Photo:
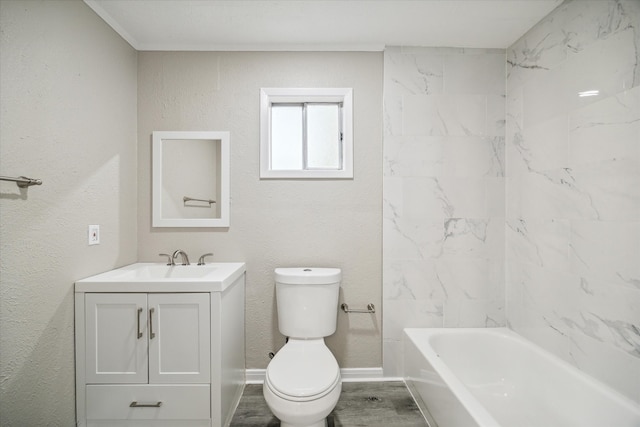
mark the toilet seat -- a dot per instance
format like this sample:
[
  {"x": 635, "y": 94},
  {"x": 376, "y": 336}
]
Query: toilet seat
[{"x": 303, "y": 370}]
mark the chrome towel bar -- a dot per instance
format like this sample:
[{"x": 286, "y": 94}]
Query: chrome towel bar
[
  {"x": 186, "y": 199},
  {"x": 370, "y": 309},
  {"x": 22, "y": 181}
]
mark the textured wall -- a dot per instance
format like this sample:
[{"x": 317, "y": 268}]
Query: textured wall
[
  {"x": 443, "y": 191},
  {"x": 573, "y": 188},
  {"x": 68, "y": 110},
  {"x": 274, "y": 223}
]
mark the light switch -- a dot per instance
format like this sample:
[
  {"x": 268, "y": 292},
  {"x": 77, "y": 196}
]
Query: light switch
[{"x": 94, "y": 235}]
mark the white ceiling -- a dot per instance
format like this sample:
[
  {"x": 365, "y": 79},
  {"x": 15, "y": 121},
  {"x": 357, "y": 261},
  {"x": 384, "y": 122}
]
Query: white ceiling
[{"x": 366, "y": 25}]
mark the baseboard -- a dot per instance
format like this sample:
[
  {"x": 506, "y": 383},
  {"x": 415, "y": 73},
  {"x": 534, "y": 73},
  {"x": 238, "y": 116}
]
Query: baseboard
[
  {"x": 256, "y": 376},
  {"x": 362, "y": 375}
]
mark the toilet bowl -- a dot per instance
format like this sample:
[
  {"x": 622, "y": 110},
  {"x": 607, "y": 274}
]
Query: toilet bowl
[{"x": 302, "y": 382}]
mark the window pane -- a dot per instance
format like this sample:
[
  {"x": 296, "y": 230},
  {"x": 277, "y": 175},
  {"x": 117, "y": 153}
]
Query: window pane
[
  {"x": 323, "y": 136},
  {"x": 286, "y": 137}
]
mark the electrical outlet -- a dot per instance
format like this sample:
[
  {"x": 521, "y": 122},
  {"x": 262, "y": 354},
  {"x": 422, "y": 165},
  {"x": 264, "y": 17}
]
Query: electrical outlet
[{"x": 94, "y": 235}]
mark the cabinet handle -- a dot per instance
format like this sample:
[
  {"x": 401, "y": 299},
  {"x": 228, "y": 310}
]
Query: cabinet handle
[
  {"x": 145, "y": 405},
  {"x": 152, "y": 334},
  {"x": 139, "y": 333}
]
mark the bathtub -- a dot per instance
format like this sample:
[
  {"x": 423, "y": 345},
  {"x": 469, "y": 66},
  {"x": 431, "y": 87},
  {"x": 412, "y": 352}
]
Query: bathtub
[{"x": 495, "y": 378}]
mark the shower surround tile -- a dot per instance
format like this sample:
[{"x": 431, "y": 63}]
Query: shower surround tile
[
  {"x": 573, "y": 188},
  {"x": 606, "y": 130},
  {"x": 444, "y": 167},
  {"x": 421, "y": 156},
  {"x": 606, "y": 251},
  {"x": 439, "y": 115},
  {"x": 475, "y": 71},
  {"x": 412, "y": 74},
  {"x": 526, "y": 213}
]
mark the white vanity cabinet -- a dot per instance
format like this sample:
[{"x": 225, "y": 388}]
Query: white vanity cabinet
[
  {"x": 147, "y": 338},
  {"x": 155, "y": 353}
]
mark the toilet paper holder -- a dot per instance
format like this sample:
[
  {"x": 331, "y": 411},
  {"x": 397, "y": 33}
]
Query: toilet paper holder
[{"x": 370, "y": 308}]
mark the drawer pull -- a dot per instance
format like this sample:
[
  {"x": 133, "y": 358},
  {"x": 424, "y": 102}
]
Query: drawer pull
[{"x": 145, "y": 405}]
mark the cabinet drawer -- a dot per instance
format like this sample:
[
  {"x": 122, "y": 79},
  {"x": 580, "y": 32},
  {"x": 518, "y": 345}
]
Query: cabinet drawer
[{"x": 177, "y": 402}]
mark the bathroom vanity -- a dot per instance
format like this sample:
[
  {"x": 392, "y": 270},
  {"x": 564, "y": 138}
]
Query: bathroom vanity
[{"x": 160, "y": 345}]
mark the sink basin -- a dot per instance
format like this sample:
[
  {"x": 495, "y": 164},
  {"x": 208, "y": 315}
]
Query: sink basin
[
  {"x": 160, "y": 271},
  {"x": 143, "y": 277}
]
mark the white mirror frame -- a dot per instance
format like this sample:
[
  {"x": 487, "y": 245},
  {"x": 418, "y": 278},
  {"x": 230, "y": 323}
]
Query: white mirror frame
[
  {"x": 279, "y": 95},
  {"x": 157, "y": 219}
]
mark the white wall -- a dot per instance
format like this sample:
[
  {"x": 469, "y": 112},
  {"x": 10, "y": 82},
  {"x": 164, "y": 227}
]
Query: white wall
[
  {"x": 274, "y": 223},
  {"x": 443, "y": 191},
  {"x": 573, "y": 188},
  {"x": 68, "y": 117}
]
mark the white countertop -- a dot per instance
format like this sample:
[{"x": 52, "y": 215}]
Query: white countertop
[{"x": 158, "y": 277}]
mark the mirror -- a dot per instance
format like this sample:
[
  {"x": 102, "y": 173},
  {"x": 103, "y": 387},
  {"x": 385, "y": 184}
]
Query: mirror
[{"x": 190, "y": 179}]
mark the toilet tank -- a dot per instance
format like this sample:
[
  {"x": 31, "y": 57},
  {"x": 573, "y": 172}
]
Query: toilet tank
[{"x": 307, "y": 301}]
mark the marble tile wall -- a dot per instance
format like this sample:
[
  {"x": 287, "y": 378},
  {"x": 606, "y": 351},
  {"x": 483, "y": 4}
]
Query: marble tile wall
[
  {"x": 556, "y": 189},
  {"x": 443, "y": 214},
  {"x": 573, "y": 188}
]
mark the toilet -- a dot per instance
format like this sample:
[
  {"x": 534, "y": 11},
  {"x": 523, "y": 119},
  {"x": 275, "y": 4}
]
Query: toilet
[{"x": 302, "y": 383}]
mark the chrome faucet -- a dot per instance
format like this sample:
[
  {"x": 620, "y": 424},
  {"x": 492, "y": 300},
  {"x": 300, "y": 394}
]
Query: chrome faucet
[{"x": 185, "y": 257}]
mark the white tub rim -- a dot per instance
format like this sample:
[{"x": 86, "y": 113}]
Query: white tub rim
[
  {"x": 474, "y": 407},
  {"x": 476, "y": 410}
]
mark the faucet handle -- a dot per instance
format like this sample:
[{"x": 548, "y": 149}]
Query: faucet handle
[
  {"x": 169, "y": 259},
  {"x": 201, "y": 259}
]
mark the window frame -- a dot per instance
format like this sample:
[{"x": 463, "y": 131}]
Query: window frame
[{"x": 270, "y": 96}]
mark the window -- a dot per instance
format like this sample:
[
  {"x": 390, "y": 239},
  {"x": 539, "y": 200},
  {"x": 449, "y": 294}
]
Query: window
[{"x": 306, "y": 133}]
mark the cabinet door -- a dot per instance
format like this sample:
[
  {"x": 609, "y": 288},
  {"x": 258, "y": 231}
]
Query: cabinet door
[
  {"x": 116, "y": 338},
  {"x": 179, "y": 338}
]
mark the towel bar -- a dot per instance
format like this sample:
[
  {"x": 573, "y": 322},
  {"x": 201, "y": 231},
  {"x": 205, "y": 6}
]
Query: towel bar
[
  {"x": 22, "y": 181},
  {"x": 186, "y": 199},
  {"x": 370, "y": 309}
]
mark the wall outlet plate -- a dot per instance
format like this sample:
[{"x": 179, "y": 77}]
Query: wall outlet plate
[{"x": 94, "y": 235}]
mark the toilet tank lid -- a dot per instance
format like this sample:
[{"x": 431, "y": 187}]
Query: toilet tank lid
[{"x": 308, "y": 275}]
